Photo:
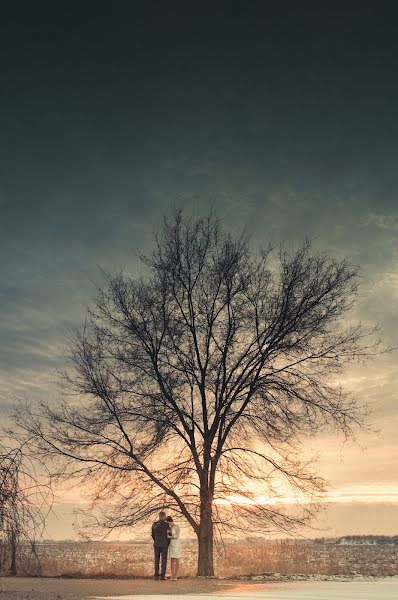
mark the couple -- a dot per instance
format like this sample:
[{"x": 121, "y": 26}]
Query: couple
[{"x": 166, "y": 541}]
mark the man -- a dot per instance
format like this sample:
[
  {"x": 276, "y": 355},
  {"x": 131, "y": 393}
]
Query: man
[{"x": 160, "y": 531}]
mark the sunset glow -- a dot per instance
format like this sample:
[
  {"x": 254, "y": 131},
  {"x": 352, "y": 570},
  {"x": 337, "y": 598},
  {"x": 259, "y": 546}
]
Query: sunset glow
[{"x": 370, "y": 495}]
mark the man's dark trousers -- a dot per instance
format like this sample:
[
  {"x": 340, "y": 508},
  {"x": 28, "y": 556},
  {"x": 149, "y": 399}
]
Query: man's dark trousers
[{"x": 160, "y": 553}]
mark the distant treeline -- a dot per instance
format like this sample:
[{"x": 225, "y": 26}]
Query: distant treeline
[
  {"x": 346, "y": 539},
  {"x": 360, "y": 539}
]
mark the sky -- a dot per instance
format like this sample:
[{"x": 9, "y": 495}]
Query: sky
[{"x": 283, "y": 118}]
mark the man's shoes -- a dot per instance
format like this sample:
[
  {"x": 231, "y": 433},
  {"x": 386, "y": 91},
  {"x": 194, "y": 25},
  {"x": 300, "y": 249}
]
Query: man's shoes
[
  {"x": 156, "y": 578},
  {"x": 163, "y": 578}
]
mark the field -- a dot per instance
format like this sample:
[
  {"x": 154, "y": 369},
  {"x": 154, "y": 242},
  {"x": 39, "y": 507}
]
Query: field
[{"x": 238, "y": 559}]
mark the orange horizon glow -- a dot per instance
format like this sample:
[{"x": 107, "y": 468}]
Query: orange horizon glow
[{"x": 370, "y": 494}]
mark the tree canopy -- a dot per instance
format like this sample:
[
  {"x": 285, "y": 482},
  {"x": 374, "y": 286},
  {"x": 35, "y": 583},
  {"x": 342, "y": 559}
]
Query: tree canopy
[{"x": 193, "y": 386}]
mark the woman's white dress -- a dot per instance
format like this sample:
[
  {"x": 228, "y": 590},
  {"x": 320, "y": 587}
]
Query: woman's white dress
[{"x": 175, "y": 542}]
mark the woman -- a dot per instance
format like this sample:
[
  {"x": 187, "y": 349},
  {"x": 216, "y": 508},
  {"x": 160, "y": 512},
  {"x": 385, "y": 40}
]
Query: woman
[{"x": 174, "y": 548}]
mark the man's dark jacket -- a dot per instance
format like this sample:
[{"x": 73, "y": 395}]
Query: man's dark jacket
[{"x": 159, "y": 534}]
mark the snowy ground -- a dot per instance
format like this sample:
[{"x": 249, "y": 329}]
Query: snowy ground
[{"x": 385, "y": 589}]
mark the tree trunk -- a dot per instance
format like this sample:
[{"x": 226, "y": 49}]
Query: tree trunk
[
  {"x": 13, "y": 548},
  {"x": 205, "y": 538}
]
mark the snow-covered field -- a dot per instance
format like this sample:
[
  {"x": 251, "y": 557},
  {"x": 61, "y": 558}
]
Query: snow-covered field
[{"x": 289, "y": 558}]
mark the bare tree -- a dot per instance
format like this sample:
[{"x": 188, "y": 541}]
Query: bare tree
[
  {"x": 195, "y": 385},
  {"x": 25, "y": 500}
]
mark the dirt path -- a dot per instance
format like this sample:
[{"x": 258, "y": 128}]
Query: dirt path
[
  {"x": 25, "y": 588},
  {"x": 186, "y": 589}
]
